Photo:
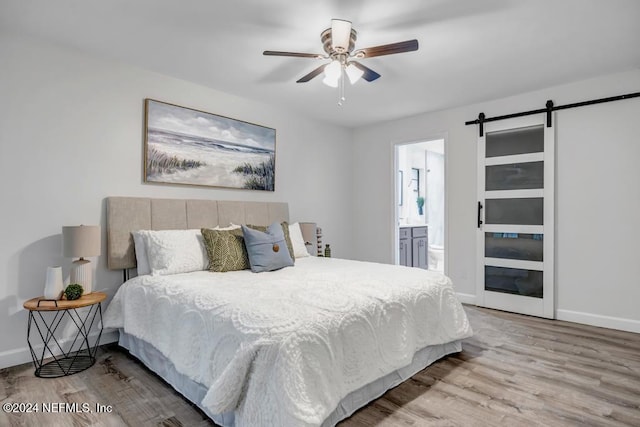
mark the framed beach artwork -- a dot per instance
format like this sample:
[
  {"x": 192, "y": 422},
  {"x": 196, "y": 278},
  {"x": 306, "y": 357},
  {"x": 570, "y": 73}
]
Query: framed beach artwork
[{"x": 191, "y": 147}]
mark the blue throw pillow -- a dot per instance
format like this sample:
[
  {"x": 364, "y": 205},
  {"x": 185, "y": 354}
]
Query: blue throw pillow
[{"x": 267, "y": 251}]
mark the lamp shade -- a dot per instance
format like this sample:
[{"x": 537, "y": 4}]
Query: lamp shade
[{"x": 81, "y": 241}]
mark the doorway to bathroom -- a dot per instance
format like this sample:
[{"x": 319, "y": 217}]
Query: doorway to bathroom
[{"x": 420, "y": 204}]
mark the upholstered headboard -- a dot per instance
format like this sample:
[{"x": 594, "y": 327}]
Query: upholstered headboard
[{"x": 127, "y": 214}]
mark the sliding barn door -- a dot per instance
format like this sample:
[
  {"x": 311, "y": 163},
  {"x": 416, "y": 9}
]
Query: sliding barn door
[{"x": 515, "y": 241}]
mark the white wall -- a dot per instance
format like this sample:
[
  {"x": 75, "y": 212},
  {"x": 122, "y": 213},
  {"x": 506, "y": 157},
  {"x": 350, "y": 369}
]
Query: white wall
[
  {"x": 598, "y": 194},
  {"x": 71, "y": 134}
]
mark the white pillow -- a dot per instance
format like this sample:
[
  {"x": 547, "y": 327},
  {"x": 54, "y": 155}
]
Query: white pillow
[
  {"x": 231, "y": 226},
  {"x": 142, "y": 261},
  {"x": 297, "y": 241},
  {"x": 175, "y": 251}
]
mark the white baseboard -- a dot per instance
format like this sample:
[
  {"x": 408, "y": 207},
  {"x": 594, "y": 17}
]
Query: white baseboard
[
  {"x": 621, "y": 324},
  {"x": 466, "y": 298},
  {"x": 22, "y": 355},
  {"x": 618, "y": 323}
]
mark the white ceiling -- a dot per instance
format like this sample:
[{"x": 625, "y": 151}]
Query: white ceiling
[{"x": 470, "y": 50}]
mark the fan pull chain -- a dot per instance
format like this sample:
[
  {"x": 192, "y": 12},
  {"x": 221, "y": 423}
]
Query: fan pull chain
[{"x": 341, "y": 96}]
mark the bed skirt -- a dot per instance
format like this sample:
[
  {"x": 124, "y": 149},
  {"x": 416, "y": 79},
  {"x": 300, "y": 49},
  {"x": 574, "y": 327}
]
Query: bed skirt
[{"x": 355, "y": 400}]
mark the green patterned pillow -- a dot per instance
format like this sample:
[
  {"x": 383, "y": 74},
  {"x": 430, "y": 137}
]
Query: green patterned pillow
[
  {"x": 287, "y": 239},
  {"x": 225, "y": 249}
]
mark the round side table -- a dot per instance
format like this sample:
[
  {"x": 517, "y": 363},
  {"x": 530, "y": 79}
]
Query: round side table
[{"x": 47, "y": 316}]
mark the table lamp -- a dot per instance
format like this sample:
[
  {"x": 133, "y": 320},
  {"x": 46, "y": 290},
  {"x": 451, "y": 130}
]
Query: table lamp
[{"x": 81, "y": 241}]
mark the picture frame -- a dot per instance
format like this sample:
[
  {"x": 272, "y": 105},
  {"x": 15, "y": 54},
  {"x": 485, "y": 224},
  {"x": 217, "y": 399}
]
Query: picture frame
[{"x": 185, "y": 146}]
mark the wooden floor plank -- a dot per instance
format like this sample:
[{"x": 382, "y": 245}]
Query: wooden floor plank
[{"x": 515, "y": 371}]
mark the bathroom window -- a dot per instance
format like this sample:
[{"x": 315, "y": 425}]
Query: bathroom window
[{"x": 415, "y": 180}]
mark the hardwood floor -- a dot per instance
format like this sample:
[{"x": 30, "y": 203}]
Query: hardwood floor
[
  {"x": 521, "y": 371},
  {"x": 515, "y": 371}
]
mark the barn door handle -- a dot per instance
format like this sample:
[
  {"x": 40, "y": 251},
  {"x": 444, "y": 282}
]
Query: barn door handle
[{"x": 479, "y": 214}]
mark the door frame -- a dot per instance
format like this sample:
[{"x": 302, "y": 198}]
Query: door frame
[
  {"x": 395, "y": 197},
  {"x": 545, "y": 307}
]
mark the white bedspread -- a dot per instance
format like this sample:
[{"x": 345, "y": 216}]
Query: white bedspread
[{"x": 283, "y": 348}]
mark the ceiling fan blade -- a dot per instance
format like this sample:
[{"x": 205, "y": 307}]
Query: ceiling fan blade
[
  {"x": 387, "y": 49},
  {"x": 369, "y": 75},
  {"x": 312, "y": 74},
  {"x": 295, "y": 54}
]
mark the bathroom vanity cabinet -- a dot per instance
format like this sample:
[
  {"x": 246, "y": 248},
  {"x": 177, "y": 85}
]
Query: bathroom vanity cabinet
[{"x": 414, "y": 246}]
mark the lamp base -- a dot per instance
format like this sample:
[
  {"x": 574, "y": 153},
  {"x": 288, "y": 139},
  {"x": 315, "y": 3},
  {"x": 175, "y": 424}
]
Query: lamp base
[{"x": 82, "y": 273}]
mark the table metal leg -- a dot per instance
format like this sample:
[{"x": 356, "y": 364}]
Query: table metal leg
[{"x": 81, "y": 354}]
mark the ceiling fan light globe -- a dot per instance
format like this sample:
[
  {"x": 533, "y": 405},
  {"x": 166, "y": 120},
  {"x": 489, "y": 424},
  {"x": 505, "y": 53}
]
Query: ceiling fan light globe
[
  {"x": 331, "y": 81},
  {"x": 333, "y": 70},
  {"x": 354, "y": 73},
  {"x": 340, "y": 35}
]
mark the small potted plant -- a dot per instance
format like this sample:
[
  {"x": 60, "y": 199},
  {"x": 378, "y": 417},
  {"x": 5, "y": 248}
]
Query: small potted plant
[
  {"x": 73, "y": 291},
  {"x": 420, "y": 202}
]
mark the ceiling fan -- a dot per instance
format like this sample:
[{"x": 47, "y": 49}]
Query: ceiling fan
[{"x": 338, "y": 43}]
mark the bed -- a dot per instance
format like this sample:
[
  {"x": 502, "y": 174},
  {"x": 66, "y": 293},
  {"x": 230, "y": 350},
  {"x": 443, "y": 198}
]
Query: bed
[{"x": 306, "y": 345}]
